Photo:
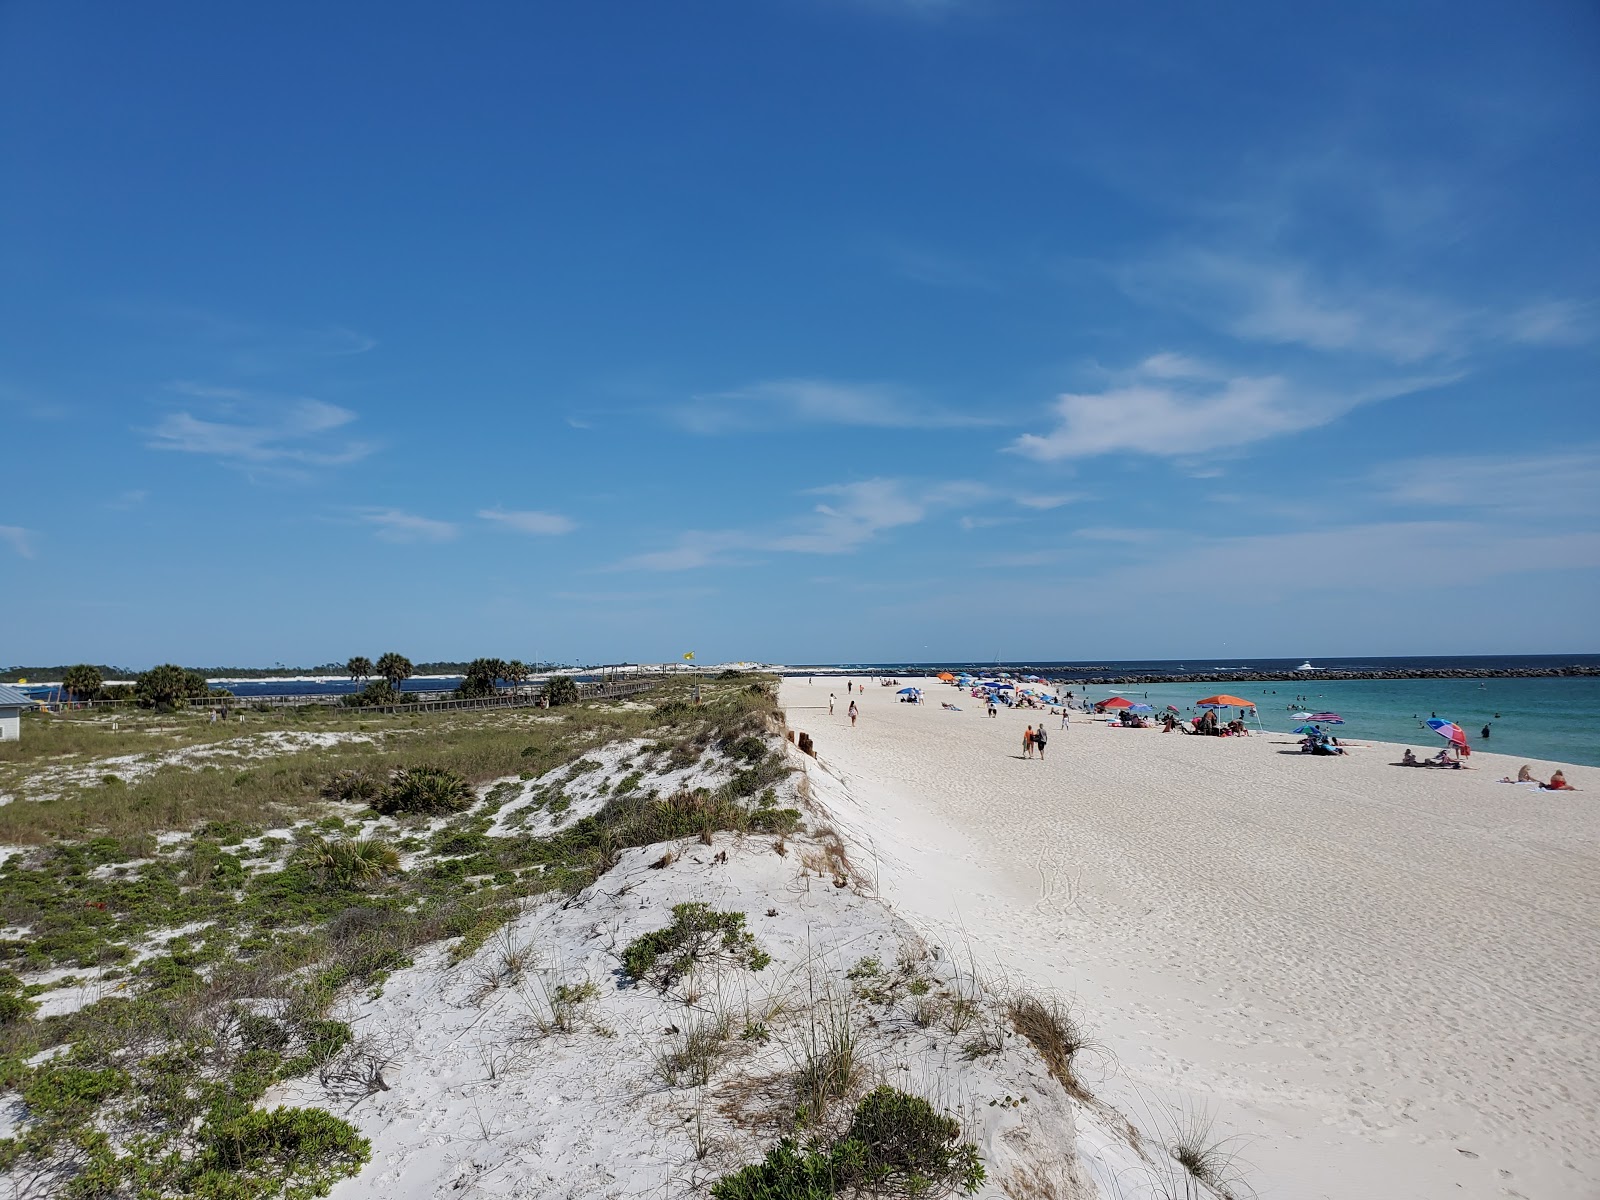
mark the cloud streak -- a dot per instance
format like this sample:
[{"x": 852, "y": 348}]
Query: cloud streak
[
  {"x": 850, "y": 516},
  {"x": 528, "y": 521},
  {"x": 789, "y": 403},
  {"x": 19, "y": 539},
  {"x": 1170, "y": 407},
  {"x": 396, "y": 525},
  {"x": 245, "y": 429}
]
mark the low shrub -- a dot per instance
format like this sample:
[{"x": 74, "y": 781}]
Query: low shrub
[
  {"x": 897, "y": 1145},
  {"x": 427, "y": 790},
  {"x": 307, "y": 1145},
  {"x": 351, "y": 863},
  {"x": 697, "y": 935},
  {"x": 352, "y": 784},
  {"x": 561, "y": 690}
]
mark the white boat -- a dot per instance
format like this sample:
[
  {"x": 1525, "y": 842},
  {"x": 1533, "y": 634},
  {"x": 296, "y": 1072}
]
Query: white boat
[{"x": 1306, "y": 666}]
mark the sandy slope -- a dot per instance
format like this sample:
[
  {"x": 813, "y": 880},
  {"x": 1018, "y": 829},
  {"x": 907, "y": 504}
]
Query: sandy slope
[{"x": 1383, "y": 978}]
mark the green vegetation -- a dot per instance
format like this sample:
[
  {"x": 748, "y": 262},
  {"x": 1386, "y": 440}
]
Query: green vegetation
[
  {"x": 561, "y": 689},
  {"x": 897, "y": 1145},
  {"x": 697, "y": 935},
  {"x": 350, "y": 863},
  {"x": 83, "y": 682},
  {"x": 153, "y": 1089},
  {"x": 482, "y": 678},
  {"x": 395, "y": 669},
  {"x": 429, "y": 790},
  {"x": 169, "y": 685}
]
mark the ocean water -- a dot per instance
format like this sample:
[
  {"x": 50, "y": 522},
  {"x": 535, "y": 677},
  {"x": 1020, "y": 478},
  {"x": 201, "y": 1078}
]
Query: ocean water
[{"x": 1536, "y": 718}]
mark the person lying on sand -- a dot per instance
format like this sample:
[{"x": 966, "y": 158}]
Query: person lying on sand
[{"x": 1525, "y": 775}]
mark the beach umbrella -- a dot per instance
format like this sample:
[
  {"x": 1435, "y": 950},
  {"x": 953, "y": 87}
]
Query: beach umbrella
[
  {"x": 1328, "y": 718},
  {"x": 1173, "y": 708},
  {"x": 1305, "y": 729},
  {"x": 1448, "y": 730},
  {"x": 1226, "y": 701},
  {"x": 1116, "y": 702},
  {"x": 1299, "y": 716},
  {"x": 909, "y": 692},
  {"x": 1140, "y": 708},
  {"x": 946, "y": 676}
]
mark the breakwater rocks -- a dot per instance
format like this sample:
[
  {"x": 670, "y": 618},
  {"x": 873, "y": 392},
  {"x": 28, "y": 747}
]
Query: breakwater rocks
[{"x": 1312, "y": 676}]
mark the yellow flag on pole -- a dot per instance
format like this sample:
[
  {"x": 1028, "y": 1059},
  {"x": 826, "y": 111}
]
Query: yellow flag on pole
[{"x": 689, "y": 657}]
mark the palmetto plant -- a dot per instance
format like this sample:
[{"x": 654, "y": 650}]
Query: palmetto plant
[
  {"x": 351, "y": 862},
  {"x": 396, "y": 668}
]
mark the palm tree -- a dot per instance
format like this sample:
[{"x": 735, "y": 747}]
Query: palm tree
[
  {"x": 83, "y": 682},
  {"x": 396, "y": 668},
  {"x": 517, "y": 673},
  {"x": 359, "y": 668}
]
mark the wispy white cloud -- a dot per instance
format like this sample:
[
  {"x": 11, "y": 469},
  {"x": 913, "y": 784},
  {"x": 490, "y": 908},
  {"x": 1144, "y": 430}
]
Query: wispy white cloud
[
  {"x": 1558, "y": 485},
  {"x": 850, "y": 516},
  {"x": 1283, "y": 302},
  {"x": 528, "y": 521},
  {"x": 19, "y": 539},
  {"x": 1160, "y": 410},
  {"x": 396, "y": 525},
  {"x": 129, "y": 499},
  {"x": 785, "y": 403},
  {"x": 245, "y": 428},
  {"x": 1553, "y": 323},
  {"x": 1118, "y": 533},
  {"x": 1262, "y": 297},
  {"x": 1055, "y": 500}
]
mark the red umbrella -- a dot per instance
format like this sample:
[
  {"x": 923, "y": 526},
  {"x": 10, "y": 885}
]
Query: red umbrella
[{"x": 1116, "y": 702}]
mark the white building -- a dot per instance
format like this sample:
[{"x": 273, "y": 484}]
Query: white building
[{"x": 12, "y": 702}]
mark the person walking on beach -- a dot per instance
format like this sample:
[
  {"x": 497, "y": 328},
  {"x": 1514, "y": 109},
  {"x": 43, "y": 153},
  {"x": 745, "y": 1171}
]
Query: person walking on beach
[
  {"x": 992, "y": 709},
  {"x": 1040, "y": 737},
  {"x": 1065, "y": 716},
  {"x": 1027, "y": 742},
  {"x": 830, "y": 704},
  {"x": 852, "y": 714}
]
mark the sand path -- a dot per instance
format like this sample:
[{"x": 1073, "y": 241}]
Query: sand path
[{"x": 1384, "y": 979}]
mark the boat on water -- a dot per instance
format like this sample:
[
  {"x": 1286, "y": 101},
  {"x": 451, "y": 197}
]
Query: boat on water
[{"x": 1306, "y": 666}]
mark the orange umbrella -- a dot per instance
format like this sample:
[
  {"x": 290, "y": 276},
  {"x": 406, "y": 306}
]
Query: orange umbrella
[
  {"x": 946, "y": 676},
  {"x": 1226, "y": 702}
]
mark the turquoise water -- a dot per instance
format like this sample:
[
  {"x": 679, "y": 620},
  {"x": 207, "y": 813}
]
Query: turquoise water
[{"x": 1555, "y": 719}]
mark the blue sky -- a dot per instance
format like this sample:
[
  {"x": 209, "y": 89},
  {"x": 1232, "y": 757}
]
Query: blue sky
[{"x": 798, "y": 329}]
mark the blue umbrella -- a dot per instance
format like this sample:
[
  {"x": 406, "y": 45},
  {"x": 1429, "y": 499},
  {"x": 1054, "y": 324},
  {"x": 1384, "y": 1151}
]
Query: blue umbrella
[
  {"x": 1306, "y": 729},
  {"x": 909, "y": 692},
  {"x": 1141, "y": 708}
]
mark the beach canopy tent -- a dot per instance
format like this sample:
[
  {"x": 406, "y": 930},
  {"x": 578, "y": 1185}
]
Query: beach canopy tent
[
  {"x": 1225, "y": 701},
  {"x": 1116, "y": 702},
  {"x": 1449, "y": 731}
]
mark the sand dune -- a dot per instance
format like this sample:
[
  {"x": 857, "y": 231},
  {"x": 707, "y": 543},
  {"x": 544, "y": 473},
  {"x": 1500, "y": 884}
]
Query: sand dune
[{"x": 1382, "y": 978}]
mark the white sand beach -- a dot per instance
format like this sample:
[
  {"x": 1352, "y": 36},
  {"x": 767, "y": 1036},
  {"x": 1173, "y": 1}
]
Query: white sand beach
[{"x": 1381, "y": 979}]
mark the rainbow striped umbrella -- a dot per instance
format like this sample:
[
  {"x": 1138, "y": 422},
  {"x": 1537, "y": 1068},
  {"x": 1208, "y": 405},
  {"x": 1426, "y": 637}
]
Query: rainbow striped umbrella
[
  {"x": 1328, "y": 718},
  {"x": 1448, "y": 730}
]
